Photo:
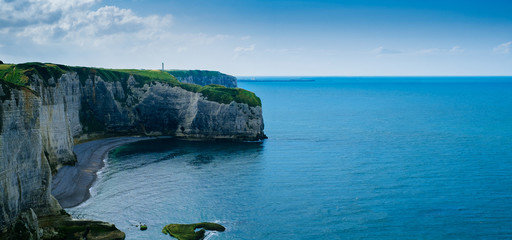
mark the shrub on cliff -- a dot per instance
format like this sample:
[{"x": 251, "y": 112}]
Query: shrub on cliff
[{"x": 226, "y": 95}]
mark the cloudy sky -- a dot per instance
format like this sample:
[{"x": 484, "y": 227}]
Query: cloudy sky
[{"x": 264, "y": 37}]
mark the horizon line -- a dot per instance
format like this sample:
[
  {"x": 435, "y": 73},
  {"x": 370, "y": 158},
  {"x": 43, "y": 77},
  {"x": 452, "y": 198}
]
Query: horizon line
[
  {"x": 240, "y": 76},
  {"x": 303, "y": 76}
]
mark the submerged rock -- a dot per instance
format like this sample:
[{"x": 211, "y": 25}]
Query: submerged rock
[
  {"x": 143, "y": 227},
  {"x": 188, "y": 231}
]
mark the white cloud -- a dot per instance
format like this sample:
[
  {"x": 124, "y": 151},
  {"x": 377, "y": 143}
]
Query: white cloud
[
  {"x": 21, "y": 13},
  {"x": 440, "y": 51},
  {"x": 385, "y": 51},
  {"x": 457, "y": 49},
  {"x": 243, "y": 50},
  {"x": 86, "y": 27},
  {"x": 503, "y": 48},
  {"x": 85, "y": 32},
  {"x": 239, "y": 51},
  {"x": 77, "y": 23},
  {"x": 380, "y": 51},
  {"x": 429, "y": 51}
]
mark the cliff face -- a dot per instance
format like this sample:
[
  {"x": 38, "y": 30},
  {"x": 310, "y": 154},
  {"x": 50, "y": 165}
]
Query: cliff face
[
  {"x": 204, "y": 78},
  {"x": 59, "y": 116},
  {"x": 160, "y": 109},
  {"x": 24, "y": 170},
  {"x": 41, "y": 122}
]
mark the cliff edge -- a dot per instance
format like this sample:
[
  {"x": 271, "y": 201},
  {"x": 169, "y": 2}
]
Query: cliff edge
[
  {"x": 46, "y": 108},
  {"x": 203, "y": 78}
]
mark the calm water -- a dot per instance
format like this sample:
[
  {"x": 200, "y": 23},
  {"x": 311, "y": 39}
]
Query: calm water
[{"x": 346, "y": 158}]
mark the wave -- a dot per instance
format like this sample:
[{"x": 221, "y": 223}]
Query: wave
[{"x": 99, "y": 176}]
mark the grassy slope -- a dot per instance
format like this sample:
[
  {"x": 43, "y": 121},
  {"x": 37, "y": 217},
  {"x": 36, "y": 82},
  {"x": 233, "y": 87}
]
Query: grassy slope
[{"x": 20, "y": 74}]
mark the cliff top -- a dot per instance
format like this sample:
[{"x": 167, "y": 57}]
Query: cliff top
[
  {"x": 20, "y": 75},
  {"x": 194, "y": 73}
]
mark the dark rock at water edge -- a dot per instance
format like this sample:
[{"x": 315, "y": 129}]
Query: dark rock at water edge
[
  {"x": 143, "y": 227},
  {"x": 59, "y": 227},
  {"x": 188, "y": 231},
  {"x": 63, "y": 227},
  {"x": 25, "y": 227}
]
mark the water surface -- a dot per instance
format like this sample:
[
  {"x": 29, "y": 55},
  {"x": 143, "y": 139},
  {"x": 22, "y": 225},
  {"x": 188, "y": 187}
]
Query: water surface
[{"x": 346, "y": 158}]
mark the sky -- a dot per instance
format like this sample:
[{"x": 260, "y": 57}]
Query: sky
[{"x": 263, "y": 37}]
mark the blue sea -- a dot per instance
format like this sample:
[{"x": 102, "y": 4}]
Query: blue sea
[{"x": 345, "y": 158}]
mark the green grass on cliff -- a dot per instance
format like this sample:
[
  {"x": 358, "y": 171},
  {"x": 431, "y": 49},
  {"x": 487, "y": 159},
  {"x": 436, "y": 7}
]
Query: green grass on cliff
[
  {"x": 152, "y": 74},
  {"x": 112, "y": 75},
  {"x": 20, "y": 74},
  {"x": 221, "y": 94}
]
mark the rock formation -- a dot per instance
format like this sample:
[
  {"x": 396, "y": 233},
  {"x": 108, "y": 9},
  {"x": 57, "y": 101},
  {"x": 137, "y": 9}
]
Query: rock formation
[
  {"x": 45, "y": 109},
  {"x": 204, "y": 78}
]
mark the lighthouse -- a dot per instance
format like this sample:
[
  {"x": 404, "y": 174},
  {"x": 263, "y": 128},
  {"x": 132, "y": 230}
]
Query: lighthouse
[{"x": 162, "y": 66}]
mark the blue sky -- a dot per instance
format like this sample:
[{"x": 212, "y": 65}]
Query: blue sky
[{"x": 255, "y": 38}]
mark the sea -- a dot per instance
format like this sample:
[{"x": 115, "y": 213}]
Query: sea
[{"x": 345, "y": 158}]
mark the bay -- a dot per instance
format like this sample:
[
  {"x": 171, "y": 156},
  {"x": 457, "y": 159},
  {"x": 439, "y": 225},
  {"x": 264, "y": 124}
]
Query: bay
[{"x": 346, "y": 158}]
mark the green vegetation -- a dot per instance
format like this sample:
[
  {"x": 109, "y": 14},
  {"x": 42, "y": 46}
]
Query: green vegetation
[
  {"x": 150, "y": 74},
  {"x": 193, "y": 73},
  {"x": 143, "y": 227},
  {"x": 20, "y": 75},
  {"x": 111, "y": 75},
  {"x": 221, "y": 94},
  {"x": 188, "y": 231}
]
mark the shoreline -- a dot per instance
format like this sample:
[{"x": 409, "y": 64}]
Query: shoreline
[{"x": 71, "y": 185}]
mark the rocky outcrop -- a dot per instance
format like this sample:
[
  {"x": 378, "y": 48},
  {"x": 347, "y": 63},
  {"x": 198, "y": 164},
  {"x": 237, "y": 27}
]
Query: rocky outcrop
[
  {"x": 63, "y": 227},
  {"x": 25, "y": 227},
  {"x": 42, "y": 120},
  {"x": 203, "y": 78},
  {"x": 160, "y": 109}
]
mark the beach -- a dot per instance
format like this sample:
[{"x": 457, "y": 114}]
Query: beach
[{"x": 70, "y": 186}]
